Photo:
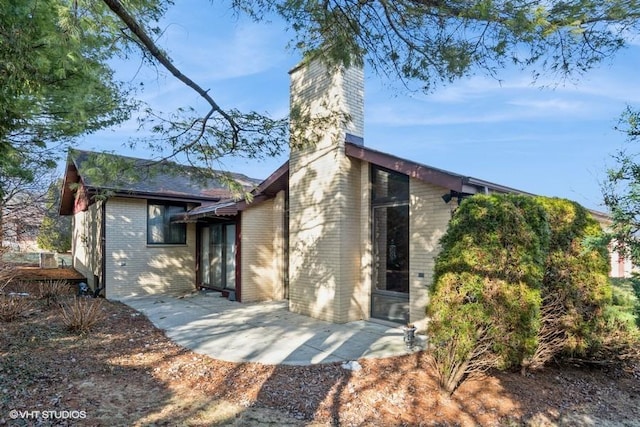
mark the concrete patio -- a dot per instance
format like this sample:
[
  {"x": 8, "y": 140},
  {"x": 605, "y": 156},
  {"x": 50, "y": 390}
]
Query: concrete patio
[{"x": 266, "y": 332}]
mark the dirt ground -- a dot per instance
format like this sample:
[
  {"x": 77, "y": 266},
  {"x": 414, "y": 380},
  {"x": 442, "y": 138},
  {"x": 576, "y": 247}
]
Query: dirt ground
[
  {"x": 127, "y": 373},
  {"x": 33, "y": 272}
]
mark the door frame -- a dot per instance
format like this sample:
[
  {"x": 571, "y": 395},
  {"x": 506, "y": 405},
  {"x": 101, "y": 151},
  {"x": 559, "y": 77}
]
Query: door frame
[
  {"x": 402, "y": 298},
  {"x": 236, "y": 260}
]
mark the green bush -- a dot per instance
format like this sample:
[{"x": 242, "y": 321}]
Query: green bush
[
  {"x": 487, "y": 285},
  {"x": 619, "y": 326},
  {"x": 576, "y": 273},
  {"x": 520, "y": 280},
  {"x": 626, "y": 298}
]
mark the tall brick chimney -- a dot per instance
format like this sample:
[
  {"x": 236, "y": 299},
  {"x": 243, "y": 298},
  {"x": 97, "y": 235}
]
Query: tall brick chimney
[{"x": 325, "y": 193}]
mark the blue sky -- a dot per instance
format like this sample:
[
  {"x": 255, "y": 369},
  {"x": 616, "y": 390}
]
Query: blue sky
[{"x": 552, "y": 141}]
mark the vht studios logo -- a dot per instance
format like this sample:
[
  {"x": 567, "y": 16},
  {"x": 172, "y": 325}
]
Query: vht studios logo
[{"x": 47, "y": 415}]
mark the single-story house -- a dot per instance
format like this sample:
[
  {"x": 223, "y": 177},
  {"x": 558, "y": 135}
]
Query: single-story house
[{"x": 341, "y": 231}]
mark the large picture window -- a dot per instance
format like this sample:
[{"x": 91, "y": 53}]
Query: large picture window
[
  {"x": 390, "y": 238},
  {"x": 160, "y": 230}
]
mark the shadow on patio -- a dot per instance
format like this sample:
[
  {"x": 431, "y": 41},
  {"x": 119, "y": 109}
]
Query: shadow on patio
[{"x": 265, "y": 333}]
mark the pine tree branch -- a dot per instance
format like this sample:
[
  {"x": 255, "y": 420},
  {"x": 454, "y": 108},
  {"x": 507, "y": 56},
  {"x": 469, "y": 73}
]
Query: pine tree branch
[{"x": 146, "y": 41}]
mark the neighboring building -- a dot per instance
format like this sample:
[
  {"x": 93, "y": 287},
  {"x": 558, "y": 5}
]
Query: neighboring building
[
  {"x": 620, "y": 266},
  {"x": 341, "y": 231}
]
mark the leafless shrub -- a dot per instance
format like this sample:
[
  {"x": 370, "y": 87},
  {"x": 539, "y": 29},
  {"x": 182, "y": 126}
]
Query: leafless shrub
[
  {"x": 12, "y": 307},
  {"x": 82, "y": 314},
  {"x": 52, "y": 290},
  {"x": 7, "y": 271},
  {"x": 453, "y": 364}
]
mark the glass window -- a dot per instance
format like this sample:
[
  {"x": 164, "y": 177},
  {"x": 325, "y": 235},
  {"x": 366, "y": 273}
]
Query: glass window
[
  {"x": 391, "y": 248},
  {"x": 218, "y": 256},
  {"x": 390, "y": 235},
  {"x": 160, "y": 230},
  {"x": 389, "y": 186}
]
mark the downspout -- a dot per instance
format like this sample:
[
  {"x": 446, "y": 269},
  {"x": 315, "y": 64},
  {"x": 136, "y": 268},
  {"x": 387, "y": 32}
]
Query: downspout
[
  {"x": 238, "y": 289},
  {"x": 198, "y": 278},
  {"x": 103, "y": 248}
]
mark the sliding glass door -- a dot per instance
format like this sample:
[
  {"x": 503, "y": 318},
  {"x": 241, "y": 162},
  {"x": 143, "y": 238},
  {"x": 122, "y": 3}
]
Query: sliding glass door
[{"x": 218, "y": 256}]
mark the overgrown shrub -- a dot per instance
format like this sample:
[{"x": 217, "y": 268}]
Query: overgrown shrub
[
  {"x": 487, "y": 286},
  {"x": 577, "y": 272},
  {"x": 575, "y": 289},
  {"x": 530, "y": 273},
  {"x": 82, "y": 314}
]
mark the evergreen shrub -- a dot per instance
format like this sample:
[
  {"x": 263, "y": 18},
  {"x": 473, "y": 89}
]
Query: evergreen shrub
[
  {"x": 577, "y": 273},
  {"x": 519, "y": 280},
  {"x": 487, "y": 285}
]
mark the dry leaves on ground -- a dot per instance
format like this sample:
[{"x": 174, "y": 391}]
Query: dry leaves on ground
[{"x": 126, "y": 372}]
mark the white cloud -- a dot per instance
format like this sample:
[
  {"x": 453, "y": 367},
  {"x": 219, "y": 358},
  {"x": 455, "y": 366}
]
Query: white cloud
[
  {"x": 476, "y": 111},
  {"x": 245, "y": 49},
  {"x": 550, "y": 106}
]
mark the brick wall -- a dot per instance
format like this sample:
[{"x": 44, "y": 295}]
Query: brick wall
[
  {"x": 85, "y": 242},
  {"x": 366, "y": 246},
  {"x": 135, "y": 268},
  {"x": 262, "y": 259},
  {"x": 429, "y": 219},
  {"x": 325, "y": 197}
]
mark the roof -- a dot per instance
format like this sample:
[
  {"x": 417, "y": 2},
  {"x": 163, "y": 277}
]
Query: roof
[
  {"x": 178, "y": 182},
  {"x": 450, "y": 180},
  {"x": 143, "y": 178},
  {"x": 279, "y": 180},
  {"x": 209, "y": 210}
]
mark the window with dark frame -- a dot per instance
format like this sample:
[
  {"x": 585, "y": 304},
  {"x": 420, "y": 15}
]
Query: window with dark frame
[
  {"x": 390, "y": 238},
  {"x": 388, "y": 186},
  {"x": 160, "y": 229}
]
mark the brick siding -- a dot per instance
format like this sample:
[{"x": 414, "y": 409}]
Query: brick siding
[
  {"x": 262, "y": 259},
  {"x": 135, "y": 268},
  {"x": 325, "y": 200},
  {"x": 428, "y": 221}
]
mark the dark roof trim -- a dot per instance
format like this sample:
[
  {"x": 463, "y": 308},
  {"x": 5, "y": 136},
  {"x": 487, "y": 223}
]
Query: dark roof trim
[
  {"x": 429, "y": 174},
  {"x": 226, "y": 208},
  {"x": 153, "y": 196},
  {"x": 415, "y": 170},
  {"x": 277, "y": 181},
  {"x": 67, "y": 195},
  {"x": 267, "y": 189},
  {"x": 222, "y": 209}
]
